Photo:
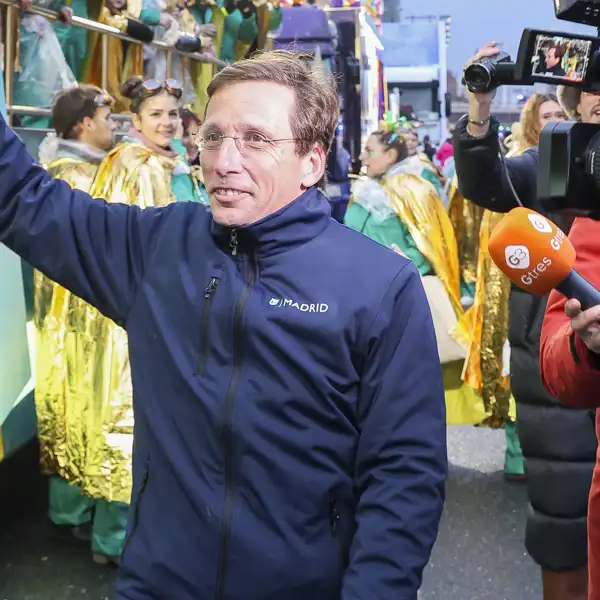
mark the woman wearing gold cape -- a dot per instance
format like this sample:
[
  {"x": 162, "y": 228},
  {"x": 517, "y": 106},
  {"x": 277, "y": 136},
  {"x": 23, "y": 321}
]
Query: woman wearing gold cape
[{"x": 402, "y": 209}]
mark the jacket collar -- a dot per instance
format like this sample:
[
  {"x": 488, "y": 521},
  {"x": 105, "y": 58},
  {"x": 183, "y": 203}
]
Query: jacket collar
[{"x": 295, "y": 224}]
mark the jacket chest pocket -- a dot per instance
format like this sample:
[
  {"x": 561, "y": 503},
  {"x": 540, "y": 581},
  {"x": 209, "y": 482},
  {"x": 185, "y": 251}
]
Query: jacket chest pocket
[{"x": 205, "y": 318}]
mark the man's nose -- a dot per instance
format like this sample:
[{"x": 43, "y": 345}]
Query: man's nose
[{"x": 227, "y": 157}]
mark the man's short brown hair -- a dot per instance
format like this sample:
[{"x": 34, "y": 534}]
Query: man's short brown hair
[
  {"x": 71, "y": 106},
  {"x": 316, "y": 111}
]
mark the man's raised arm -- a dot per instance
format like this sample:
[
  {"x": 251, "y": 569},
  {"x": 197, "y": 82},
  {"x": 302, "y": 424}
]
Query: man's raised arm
[{"x": 96, "y": 250}]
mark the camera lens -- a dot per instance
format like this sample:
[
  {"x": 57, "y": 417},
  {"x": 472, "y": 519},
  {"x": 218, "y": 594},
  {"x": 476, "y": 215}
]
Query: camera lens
[
  {"x": 592, "y": 161},
  {"x": 478, "y": 78}
]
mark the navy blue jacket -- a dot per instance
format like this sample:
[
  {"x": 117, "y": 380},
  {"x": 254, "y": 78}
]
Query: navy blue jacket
[{"x": 290, "y": 434}]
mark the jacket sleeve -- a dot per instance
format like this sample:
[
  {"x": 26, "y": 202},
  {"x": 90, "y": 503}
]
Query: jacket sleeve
[
  {"x": 570, "y": 371},
  {"x": 481, "y": 176},
  {"x": 96, "y": 250},
  {"x": 401, "y": 462}
]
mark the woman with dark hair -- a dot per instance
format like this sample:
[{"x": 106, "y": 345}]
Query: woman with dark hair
[{"x": 146, "y": 169}]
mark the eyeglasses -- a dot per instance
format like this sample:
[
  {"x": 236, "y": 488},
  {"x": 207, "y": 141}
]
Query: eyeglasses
[
  {"x": 151, "y": 87},
  {"x": 250, "y": 141}
]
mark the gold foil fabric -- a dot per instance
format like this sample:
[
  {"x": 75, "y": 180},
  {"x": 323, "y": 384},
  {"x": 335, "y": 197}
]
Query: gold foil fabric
[
  {"x": 418, "y": 206},
  {"x": 62, "y": 404},
  {"x": 487, "y": 321},
  {"x": 134, "y": 174},
  {"x": 84, "y": 390},
  {"x": 466, "y": 219}
]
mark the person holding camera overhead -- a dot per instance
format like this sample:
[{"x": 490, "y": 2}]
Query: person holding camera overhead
[
  {"x": 558, "y": 442},
  {"x": 569, "y": 345}
]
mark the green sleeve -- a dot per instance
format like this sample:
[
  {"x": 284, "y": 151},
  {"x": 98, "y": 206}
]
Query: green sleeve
[
  {"x": 248, "y": 30},
  {"x": 406, "y": 243},
  {"x": 275, "y": 17},
  {"x": 430, "y": 176},
  {"x": 150, "y": 16}
]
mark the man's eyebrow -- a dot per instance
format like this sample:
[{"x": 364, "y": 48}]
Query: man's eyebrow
[{"x": 241, "y": 127}]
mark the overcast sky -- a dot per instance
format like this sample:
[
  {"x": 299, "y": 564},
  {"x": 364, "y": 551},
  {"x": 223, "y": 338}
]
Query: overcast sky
[{"x": 475, "y": 22}]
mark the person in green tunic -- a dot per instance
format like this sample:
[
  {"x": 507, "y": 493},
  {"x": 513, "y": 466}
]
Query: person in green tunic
[
  {"x": 73, "y": 40},
  {"x": 43, "y": 71}
]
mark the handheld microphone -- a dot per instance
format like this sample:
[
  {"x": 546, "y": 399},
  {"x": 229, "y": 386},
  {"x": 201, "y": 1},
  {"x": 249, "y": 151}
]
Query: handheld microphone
[{"x": 538, "y": 257}]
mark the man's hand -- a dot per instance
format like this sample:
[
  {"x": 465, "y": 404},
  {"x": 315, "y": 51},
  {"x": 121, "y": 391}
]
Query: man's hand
[
  {"x": 586, "y": 323},
  {"x": 65, "y": 15},
  {"x": 480, "y": 104},
  {"x": 208, "y": 30},
  {"x": 167, "y": 21}
]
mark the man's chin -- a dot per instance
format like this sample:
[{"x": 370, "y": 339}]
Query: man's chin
[{"x": 228, "y": 216}]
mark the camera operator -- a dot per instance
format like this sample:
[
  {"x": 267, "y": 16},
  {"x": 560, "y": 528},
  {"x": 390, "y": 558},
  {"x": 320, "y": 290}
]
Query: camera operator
[
  {"x": 558, "y": 443},
  {"x": 570, "y": 344}
]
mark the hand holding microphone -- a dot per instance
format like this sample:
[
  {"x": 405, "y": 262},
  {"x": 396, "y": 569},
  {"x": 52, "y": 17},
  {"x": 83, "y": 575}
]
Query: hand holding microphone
[
  {"x": 538, "y": 257},
  {"x": 585, "y": 323}
]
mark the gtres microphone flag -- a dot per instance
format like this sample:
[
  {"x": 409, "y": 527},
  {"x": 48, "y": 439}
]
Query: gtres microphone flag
[{"x": 538, "y": 257}]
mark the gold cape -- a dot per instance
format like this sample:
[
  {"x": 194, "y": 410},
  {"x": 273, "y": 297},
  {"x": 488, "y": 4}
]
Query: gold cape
[
  {"x": 66, "y": 330},
  {"x": 120, "y": 66},
  {"x": 84, "y": 391},
  {"x": 487, "y": 319},
  {"x": 418, "y": 206},
  {"x": 466, "y": 220},
  {"x": 133, "y": 174}
]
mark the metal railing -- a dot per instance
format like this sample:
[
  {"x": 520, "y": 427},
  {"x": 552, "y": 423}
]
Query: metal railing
[{"x": 106, "y": 31}]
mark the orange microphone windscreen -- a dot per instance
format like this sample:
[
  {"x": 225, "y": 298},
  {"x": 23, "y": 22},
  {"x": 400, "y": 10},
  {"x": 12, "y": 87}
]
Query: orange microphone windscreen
[{"x": 531, "y": 251}]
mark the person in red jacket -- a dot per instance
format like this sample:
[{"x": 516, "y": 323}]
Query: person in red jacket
[{"x": 570, "y": 365}]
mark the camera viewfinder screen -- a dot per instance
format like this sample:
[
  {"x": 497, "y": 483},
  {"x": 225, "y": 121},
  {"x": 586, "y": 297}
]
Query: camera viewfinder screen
[{"x": 561, "y": 58}]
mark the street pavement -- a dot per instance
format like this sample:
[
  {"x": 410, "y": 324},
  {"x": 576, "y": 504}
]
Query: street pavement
[{"x": 479, "y": 554}]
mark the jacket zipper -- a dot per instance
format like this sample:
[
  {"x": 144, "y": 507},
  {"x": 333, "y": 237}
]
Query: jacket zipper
[
  {"x": 238, "y": 363},
  {"x": 209, "y": 294},
  {"x": 136, "y": 508}
]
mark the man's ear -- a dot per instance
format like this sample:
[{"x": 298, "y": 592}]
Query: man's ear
[{"x": 314, "y": 166}]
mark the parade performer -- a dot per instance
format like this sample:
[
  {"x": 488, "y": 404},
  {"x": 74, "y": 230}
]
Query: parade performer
[
  {"x": 73, "y": 40},
  {"x": 241, "y": 26},
  {"x": 78, "y": 392},
  {"x": 399, "y": 209},
  {"x": 124, "y": 59}
]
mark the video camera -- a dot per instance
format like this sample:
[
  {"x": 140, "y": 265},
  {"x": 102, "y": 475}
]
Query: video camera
[{"x": 569, "y": 151}]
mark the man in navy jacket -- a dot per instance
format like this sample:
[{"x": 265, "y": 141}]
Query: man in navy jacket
[{"x": 290, "y": 435}]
